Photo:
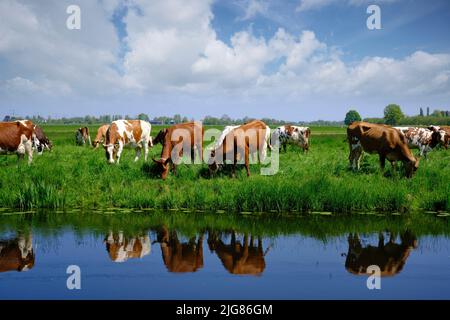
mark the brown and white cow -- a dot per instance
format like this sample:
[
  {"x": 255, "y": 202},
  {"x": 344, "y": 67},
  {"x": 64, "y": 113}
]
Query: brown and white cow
[
  {"x": 44, "y": 142},
  {"x": 424, "y": 139},
  {"x": 390, "y": 257},
  {"x": 18, "y": 137},
  {"x": 82, "y": 136},
  {"x": 176, "y": 139},
  {"x": 121, "y": 248},
  {"x": 100, "y": 137},
  {"x": 135, "y": 133},
  {"x": 388, "y": 142},
  {"x": 245, "y": 258},
  {"x": 16, "y": 254},
  {"x": 289, "y": 134},
  {"x": 238, "y": 144}
]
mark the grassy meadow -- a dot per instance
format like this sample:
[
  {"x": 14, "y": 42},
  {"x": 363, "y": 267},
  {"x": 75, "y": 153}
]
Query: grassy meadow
[{"x": 78, "y": 177}]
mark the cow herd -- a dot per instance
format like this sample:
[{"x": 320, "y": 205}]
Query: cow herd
[{"x": 234, "y": 144}]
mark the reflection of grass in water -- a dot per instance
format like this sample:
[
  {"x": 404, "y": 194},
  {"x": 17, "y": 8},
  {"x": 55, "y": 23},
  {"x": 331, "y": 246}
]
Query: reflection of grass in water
[
  {"x": 318, "y": 226},
  {"x": 73, "y": 176}
]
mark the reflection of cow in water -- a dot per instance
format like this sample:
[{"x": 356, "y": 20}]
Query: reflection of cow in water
[
  {"x": 237, "y": 257},
  {"x": 16, "y": 254},
  {"x": 390, "y": 257},
  {"x": 180, "y": 257},
  {"x": 121, "y": 248}
]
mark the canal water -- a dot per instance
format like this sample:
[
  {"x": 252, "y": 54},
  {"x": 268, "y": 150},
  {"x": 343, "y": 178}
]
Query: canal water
[{"x": 148, "y": 255}]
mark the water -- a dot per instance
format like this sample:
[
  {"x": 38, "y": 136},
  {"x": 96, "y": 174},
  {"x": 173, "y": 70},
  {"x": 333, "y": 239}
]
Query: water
[{"x": 185, "y": 256}]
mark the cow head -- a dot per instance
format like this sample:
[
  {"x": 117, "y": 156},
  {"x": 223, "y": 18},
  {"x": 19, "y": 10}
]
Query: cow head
[
  {"x": 163, "y": 166},
  {"x": 411, "y": 167},
  {"x": 437, "y": 136},
  {"x": 212, "y": 164},
  {"x": 110, "y": 152}
]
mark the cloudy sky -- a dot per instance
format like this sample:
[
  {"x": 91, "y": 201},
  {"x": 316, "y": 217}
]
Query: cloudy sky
[{"x": 289, "y": 59}]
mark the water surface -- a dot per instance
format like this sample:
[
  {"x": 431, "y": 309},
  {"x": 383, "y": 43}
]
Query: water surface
[{"x": 222, "y": 256}]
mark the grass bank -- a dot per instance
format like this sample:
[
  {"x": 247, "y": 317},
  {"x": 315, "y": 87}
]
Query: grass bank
[{"x": 72, "y": 176}]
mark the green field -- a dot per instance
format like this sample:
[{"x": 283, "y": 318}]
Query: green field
[{"x": 79, "y": 177}]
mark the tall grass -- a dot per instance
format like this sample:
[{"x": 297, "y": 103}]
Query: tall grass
[{"x": 72, "y": 176}]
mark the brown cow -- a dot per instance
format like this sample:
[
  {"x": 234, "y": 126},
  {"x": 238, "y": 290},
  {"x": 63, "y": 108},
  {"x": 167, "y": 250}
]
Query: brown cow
[
  {"x": 388, "y": 142},
  {"x": 446, "y": 129},
  {"x": 390, "y": 257},
  {"x": 237, "y": 257},
  {"x": 180, "y": 257},
  {"x": 18, "y": 137},
  {"x": 82, "y": 136},
  {"x": 238, "y": 144},
  {"x": 121, "y": 248},
  {"x": 16, "y": 254},
  {"x": 101, "y": 134},
  {"x": 178, "y": 138}
]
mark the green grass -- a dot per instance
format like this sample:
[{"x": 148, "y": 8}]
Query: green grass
[{"x": 72, "y": 176}]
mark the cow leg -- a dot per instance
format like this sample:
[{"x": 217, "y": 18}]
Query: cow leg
[
  {"x": 138, "y": 153},
  {"x": 382, "y": 162},
  {"x": 146, "y": 147},
  {"x": 247, "y": 167},
  {"x": 119, "y": 152}
]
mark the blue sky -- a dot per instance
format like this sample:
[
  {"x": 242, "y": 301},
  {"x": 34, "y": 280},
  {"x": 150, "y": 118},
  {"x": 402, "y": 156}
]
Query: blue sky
[{"x": 291, "y": 59}]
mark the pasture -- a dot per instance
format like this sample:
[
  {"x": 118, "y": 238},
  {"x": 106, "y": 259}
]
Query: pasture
[{"x": 71, "y": 176}]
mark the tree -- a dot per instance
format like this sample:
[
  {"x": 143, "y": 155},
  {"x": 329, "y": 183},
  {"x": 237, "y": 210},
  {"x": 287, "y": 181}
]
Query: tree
[
  {"x": 421, "y": 112},
  {"x": 428, "y": 111},
  {"x": 351, "y": 117},
  {"x": 143, "y": 116},
  {"x": 393, "y": 114}
]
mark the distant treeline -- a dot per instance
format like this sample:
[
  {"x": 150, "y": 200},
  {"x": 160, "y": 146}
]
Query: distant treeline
[
  {"x": 392, "y": 115},
  {"x": 208, "y": 120}
]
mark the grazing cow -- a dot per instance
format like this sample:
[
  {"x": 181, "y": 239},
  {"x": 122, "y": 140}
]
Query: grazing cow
[
  {"x": 424, "y": 139},
  {"x": 18, "y": 137},
  {"x": 239, "y": 258},
  {"x": 180, "y": 257},
  {"x": 16, "y": 254},
  {"x": 390, "y": 257},
  {"x": 289, "y": 134},
  {"x": 239, "y": 143},
  {"x": 388, "y": 142},
  {"x": 121, "y": 248},
  {"x": 101, "y": 134},
  {"x": 82, "y": 136},
  {"x": 179, "y": 137},
  {"x": 43, "y": 142},
  {"x": 135, "y": 133}
]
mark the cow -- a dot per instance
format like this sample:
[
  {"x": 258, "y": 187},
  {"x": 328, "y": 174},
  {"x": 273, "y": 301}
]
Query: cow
[
  {"x": 82, "y": 136},
  {"x": 100, "y": 137},
  {"x": 180, "y": 257},
  {"x": 120, "y": 133},
  {"x": 16, "y": 254},
  {"x": 289, "y": 134},
  {"x": 390, "y": 257},
  {"x": 446, "y": 129},
  {"x": 43, "y": 142},
  {"x": 228, "y": 129},
  {"x": 179, "y": 137},
  {"x": 244, "y": 258},
  {"x": 424, "y": 139},
  {"x": 388, "y": 142},
  {"x": 18, "y": 137},
  {"x": 121, "y": 248},
  {"x": 239, "y": 143}
]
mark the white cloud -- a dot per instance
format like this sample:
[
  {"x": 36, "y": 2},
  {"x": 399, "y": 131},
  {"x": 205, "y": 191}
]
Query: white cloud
[
  {"x": 306, "y": 5},
  {"x": 254, "y": 8},
  {"x": 173, "y": 49}
]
